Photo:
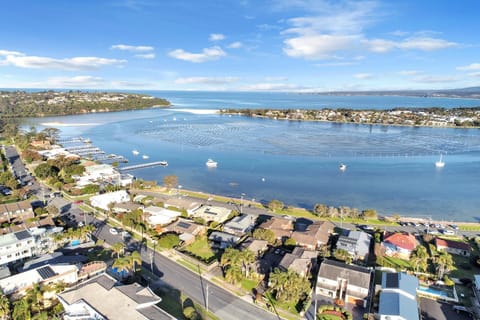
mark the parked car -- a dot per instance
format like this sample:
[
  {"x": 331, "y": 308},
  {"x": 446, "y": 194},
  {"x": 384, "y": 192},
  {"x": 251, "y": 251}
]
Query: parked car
[{"x": 113, "y": 231}]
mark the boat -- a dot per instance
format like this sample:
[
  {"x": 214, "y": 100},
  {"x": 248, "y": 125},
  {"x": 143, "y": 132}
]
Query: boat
[
  {"x": 164, "y": 163},
  {"x": 135, "y": 152},
  {"x": 145, "y": 156},
  {"x": 343, "y": 167},
  {"x": 440, "y": 163},
  {"x": 211, "y": 164}
]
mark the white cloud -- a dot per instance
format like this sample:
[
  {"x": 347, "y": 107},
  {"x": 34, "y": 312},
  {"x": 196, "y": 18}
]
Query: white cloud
[
  {"x": 146, "y": 55},
  {"x": 435, "y": 79},
  {"x": 472, "y": 66},
  {"x": 270, "y": 87},
  {"x": 235, "y": 45},
  {"x": 4, "y": 53},
  {"x": 125, "y": 47},
  {"x": 409, "y": 72},
  {"x": 379, "y": 45},
  {"x": 399, "y": 33},
  {"x": 474, "y": 74},
  {"x": 216, "y": 37},
  {"x": 426, "y": 44},
  {"x": 75, "y": 82},
  {"x": 206, "y": 80},
  {"x": 76, "y": 63},
  {"x": 318, "y": 46},
  {"x": 363, "y": 76},
  {"x": 208, "y": 54}
]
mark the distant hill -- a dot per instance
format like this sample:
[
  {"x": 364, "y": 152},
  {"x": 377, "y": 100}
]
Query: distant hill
[{"x": 466, "y": 93}]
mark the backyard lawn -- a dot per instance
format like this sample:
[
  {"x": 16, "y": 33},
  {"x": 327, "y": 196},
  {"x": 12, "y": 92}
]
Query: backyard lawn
[{"x": 201, "y": 248}]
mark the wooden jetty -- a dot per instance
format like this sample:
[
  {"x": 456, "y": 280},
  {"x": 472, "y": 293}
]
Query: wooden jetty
[{"x": 144, "y": 165}]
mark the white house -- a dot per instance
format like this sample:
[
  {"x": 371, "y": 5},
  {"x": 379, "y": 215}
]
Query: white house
[
  {"x": 160, "y": 216},
  {"x": 212, "y": 213},
  {"x": 98, "y": 172},
  {"x": 240, "y": 225},
  {"x": 103, "y": 200},
  {"x": 19, "y": 283}
]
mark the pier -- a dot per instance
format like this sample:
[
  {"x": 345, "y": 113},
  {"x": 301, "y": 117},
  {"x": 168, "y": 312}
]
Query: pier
[{"x": 144, "y": 165}]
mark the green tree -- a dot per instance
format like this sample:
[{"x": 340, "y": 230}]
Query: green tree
[
  {"x": 4, "y": 306},
  {"x": 342, "y": 255},
  {"x": 275, "y": 205},
  {"x": 230, "y": 257},
  {"x": 288, "y": 286},
  {"x": 419, "y": 259},
  {"x": 44, "y": 170},
  {"x": 21, "y": 310},
  {"x": 122, "y": 265},
  {"x": 264, "y": 234},
  {"x": 170, "y": 181},
  {"x": 290, "y": 242},
  {"x": 169, "y": 241},
  {"x": 369, "y": 214},
  {"x": 135, "y": 259},
  {"x": 444, "y": 263},
  {"x": 233, "y": 274},
  {"x": 118, "y": 248},
  {"x": 320, "y": 210}
]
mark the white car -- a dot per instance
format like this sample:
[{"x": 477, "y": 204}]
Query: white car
[{"x": 113, "y": 231}]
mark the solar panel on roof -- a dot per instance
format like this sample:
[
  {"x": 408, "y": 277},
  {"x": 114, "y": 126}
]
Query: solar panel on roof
[
  {"x": 46, "y": 272},
  {"x": 184, "y": 225},
  {"x": 392, "y": 280},
  {"x": 24, "y": 234}
]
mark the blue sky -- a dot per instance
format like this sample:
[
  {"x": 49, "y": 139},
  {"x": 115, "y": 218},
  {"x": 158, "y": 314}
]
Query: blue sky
[{"x": 283, "y": 45}]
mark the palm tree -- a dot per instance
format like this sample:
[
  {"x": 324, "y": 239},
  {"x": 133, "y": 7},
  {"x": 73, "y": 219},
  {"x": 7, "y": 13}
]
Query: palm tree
[
  {"x": 4, "y": 307},
  {"x": 21, "y": 310},
  {"x": 134, "y": 259},
  {"x": 121, "y": 265},
  {"x": 233, "y": 274},
  {"x": 118, "y": 248},
  {"x": 34, "y": 297},
  {"x": 247, "y": 257},
  {"x": 231, "y": 257},
  {"x": 288, "y": 286},
  {"x": 419, "y": 259},
  {"x": 444, "y": 263}
]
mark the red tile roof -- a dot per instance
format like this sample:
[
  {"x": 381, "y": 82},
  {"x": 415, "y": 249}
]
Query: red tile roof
[
  {"x": 451, "y": 244},
  {"x": 402, "y": 240}
]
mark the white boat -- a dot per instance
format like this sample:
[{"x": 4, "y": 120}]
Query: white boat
[
  {"x": 211, "y": 164},
  {"x": 145, "y": 156},
  {"x": 440, "y": 163},
  {"x": 342, "y": 167},
  {"x": 135, "y": 152},
  {"x": 163, "y": 163}
]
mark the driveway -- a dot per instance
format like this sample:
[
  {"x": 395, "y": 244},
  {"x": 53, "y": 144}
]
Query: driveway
[{"x": 436, "y": 310}]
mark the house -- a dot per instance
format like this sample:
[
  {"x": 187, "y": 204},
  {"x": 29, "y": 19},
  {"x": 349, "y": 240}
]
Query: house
[
  {"x": 54, "y": 258},
  {"x": 212, "y": 213},
  {"x": 300, "y": 261},
  {"x": 184, "y": 226},
  {"x": 453, "y": 247},
  {"x": 350, "y": 283},
  {"x": 16, "y": 210},
  {"x": 255, "y": 245},
  {"x": 103, "y": 200},
  {"x": 88, "y": 301},
  {"x": 223, "y": 240},
  {"x": 282, "y": 228},
  {"x": 398, "y": 297},
  {"x": 160, "y": 216},
  {"x": 126, "y": 207},
  {"x": 16, "y": 285},
  {"x": 240, "y": 224},
  {"x": 399, "y": 244},
  {"x": 182, "y": 203},
  {"x": 23, "y": 244},
  {"x": 356, "y": 243},
  {"x": 96, "y": 173},
  {"x": 315, "y": 235}
]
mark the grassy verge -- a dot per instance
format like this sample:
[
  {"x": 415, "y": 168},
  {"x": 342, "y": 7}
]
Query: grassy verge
[
  {"x": 188, "y": 265},
  {"x": 174, "y": 301},
  {"x": 201, "y": 248},
  {"x": 469, "y": 227},
  {"x": 248, "y": 285}
]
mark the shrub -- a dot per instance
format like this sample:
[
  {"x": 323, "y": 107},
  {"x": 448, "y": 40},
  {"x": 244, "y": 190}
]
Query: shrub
[{"x": 191, "y": 314}]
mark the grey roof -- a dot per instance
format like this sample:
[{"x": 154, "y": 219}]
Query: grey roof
[
  {"x": 53, "y": 258},
  {"x": 356, "y": 275},
  {"x": 401, "y": 281},
  {"x": 356, "y": 242},
  {"x": 396, "y": 304},
  {"x": 242, "y": 222},
  {"x": 154, "y": 312},
  {"x": 138, "y": 293},
  {"x": 223, "y": 237}
]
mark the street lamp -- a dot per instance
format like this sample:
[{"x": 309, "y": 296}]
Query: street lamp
[{"x": 178, "y": 190}]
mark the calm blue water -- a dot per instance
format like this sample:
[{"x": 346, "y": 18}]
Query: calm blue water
[{"x": 390, "y": 169}]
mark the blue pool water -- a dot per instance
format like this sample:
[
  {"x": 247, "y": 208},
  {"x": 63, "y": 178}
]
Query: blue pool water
[
  {"x": 74, "y": 243},
  {"x": 433, "y": 291}
]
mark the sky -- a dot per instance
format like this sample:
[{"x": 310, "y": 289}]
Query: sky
[{"x": 243, "y": 45}]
